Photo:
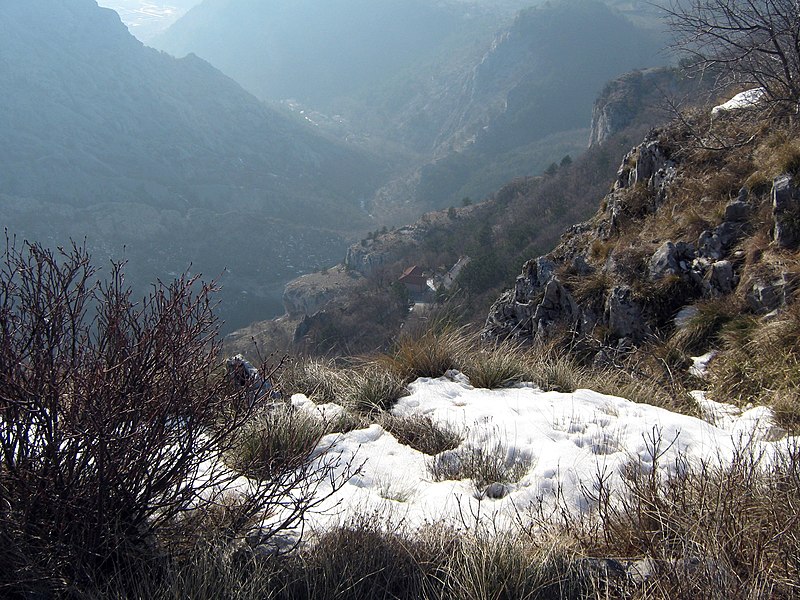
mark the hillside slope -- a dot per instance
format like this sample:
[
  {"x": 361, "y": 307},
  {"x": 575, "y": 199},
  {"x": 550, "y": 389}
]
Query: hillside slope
[
  {"x": 528, "y": 101},
  {"x": 695, "y": 249},
  {"x": 105, "y": 138},
  {"x": 354, "y": 307}
]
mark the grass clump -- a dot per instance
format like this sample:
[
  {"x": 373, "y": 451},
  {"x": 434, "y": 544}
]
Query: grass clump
[
  {"x": 484, "y": 465},
  {"x": 717, "y": 529},
  {"x": 498, "y": 367},
  {"x": 279, "y": 439},
  {"x": 779, "y": 153},
  {"x": 555, "y": 372},
  {"x": 362, "y": 559},
  {"x": 421, "y": 433},
  {"x": 373, "y": 389},
  {"x": 701, "y": 331},
  {"x": 318, "y": 379},
  {"x": 760, "y": 364},
  {"x": 430, "y": 354}
]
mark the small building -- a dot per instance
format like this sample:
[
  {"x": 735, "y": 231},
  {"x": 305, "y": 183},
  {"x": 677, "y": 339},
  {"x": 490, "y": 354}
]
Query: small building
[
  {"x": 415, "y": 281},
  {"x": 449, "y": 280}
]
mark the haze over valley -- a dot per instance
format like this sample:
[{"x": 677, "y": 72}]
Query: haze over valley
[
  {"x": 147, "y": 18},
  {"x": 285, "y": 131}
]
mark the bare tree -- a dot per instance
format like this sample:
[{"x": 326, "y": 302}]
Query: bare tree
[{"x": 757, "y": 42}]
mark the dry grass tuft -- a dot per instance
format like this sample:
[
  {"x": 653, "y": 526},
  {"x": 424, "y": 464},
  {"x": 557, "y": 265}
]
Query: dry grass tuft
[
  {"x": 497, "y": 367},
  {"x": 484, "y": 465},
  {"x": 430, "y": 354},
  {"x": 701, "y": 331},
  {"x": 319, "y": 379},
  {"x": 760, "y": 364},
  {"x": 373, "y": 388},
  {"x": 421, "y": 433},
  {"x": 280, "y": 438}
]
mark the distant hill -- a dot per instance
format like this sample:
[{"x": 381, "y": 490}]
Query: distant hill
[
  {"x": 105, "y": 138},
  {"x": 311, "y": 51},
  {"x": 461, "y": 95},
  {"x": 354, "y": 308},
  {"x": 528, "y": 102}
]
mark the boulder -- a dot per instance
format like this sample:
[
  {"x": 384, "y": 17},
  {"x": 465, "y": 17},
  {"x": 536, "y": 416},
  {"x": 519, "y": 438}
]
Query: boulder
[
  {"x": 556, "y": 306},
  {"x": 766, "y": 296},
  {"x": 671, "y": 259},
  {"x": 709, "y": 246},
  {"x": 646, "y": 164},
  {"x": 624, "y": 314},
  {"x": 721, "y": 279},
  {"x": 737, "y": 211},
  {"x": 715, "y": 244},
  {"x": 786, "y": 212}
]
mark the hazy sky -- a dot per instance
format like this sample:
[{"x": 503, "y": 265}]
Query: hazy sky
[{"x": 146, "y": 18}]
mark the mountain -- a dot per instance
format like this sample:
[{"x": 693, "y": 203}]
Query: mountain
[
  {"x": 355, "y": 307},
  {"x": 530, "y": 97},
  {"x": 147, "y": 18},
  {"x": 462, "y": 97},
  {"x": 314, "y": 52},
  {"x": 170, "y": 159}
]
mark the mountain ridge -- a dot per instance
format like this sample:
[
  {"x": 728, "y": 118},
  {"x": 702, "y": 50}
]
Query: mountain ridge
[{"x": 108, "y": 130}]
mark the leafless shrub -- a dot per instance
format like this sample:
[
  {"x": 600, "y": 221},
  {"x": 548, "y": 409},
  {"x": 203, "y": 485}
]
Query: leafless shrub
[
  {"x": 755, "y": 43},
  {"x": 114, "y": 424}
]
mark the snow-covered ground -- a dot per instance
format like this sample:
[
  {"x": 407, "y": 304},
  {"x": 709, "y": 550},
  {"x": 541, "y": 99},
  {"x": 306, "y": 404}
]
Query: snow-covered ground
[{"x": 567, "y": 442}]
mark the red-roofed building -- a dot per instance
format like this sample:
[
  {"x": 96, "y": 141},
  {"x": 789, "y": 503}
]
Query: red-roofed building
[{"x": 414, "y": 280}]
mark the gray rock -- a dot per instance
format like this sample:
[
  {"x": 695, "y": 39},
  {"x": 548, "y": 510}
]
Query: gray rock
[
  {"x": 580, "y": 266},
  {"x": 556, "y": 306},
  {"x": 496, "y": 491},
  {"x": 671, "y": 259},
  {"x": 714, "y": 245},
  {"x": 684, "y": 316},
  {"x": 737, "y": 211},
  {"x": 728, "y": 233},
  {"x": 700, "y": 570},
  {"x": 786, "y": 212},
  {"x": 709, "y": 246},
  {"x": 624, "y": 314},
  {"x": 744, "y": 194},
  {"x": 766, "y": 296},
  {"x": 721, "y": 278},
  {"x": 646, "y": 164},
  {"x": 603, "y": 568}
]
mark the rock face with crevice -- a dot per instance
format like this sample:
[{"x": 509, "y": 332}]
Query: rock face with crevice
[
  {"x": 546, "y": 296},
  {"x": 609, "y": 278}
]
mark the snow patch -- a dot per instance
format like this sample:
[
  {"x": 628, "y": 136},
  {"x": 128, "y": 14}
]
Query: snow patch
[
  {"x": 568, "y": 440},
  {"x": 746, "y": 99}
]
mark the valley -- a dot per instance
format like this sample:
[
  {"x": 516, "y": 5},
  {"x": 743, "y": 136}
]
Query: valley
[{"x": 147, "y": 18}]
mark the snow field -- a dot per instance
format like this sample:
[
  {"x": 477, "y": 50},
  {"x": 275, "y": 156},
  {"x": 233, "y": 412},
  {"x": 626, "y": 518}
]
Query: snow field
[{"x": 565, "y": 443}]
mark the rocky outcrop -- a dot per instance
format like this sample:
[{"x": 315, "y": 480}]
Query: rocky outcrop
[
  {"x": 628, "y": 100},
  {"x": 309, "y": 294},
  {"x": 366, "y": 259},
  {"x": 616, "y": 107},
  {"x": 542, "y": 300},
  {"x": 631, "y": 289}
]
